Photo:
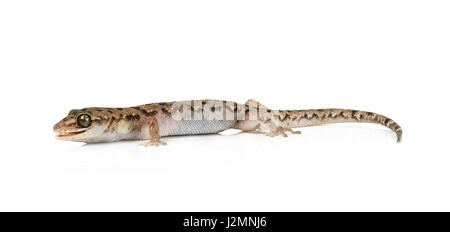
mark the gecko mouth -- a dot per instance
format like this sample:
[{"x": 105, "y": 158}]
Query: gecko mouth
[{"x": 69, "y": 134}]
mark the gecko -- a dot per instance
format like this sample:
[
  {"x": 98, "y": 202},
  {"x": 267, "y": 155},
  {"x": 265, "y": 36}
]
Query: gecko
[{"x": 150, "y": 122}]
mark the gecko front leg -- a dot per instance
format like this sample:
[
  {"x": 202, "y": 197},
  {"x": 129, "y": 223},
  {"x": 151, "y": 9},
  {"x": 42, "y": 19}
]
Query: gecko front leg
[{"x": 154, "y": 134}]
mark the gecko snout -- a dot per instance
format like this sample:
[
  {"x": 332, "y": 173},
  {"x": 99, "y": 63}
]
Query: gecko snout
[{"x": 56, "y": 127}]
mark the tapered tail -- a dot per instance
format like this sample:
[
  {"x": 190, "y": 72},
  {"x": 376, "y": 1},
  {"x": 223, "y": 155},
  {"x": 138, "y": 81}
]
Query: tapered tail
[{"x": 313, "y": 117}]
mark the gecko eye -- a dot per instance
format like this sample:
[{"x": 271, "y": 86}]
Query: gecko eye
[{"x": 84, "y": 120}]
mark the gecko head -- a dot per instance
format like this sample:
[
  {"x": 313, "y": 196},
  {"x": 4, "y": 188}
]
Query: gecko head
[{"x": 80, "y": 125}]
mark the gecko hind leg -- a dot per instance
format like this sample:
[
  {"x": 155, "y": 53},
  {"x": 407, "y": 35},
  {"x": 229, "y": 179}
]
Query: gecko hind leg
[
  {"x": 154, "y": 134},
  {"x": 273, "y": 129}
]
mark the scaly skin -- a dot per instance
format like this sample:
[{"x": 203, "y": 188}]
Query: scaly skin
[{"x": 152, "y": 121}]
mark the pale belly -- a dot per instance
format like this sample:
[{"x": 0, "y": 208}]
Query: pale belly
[{"x": 171, "y": 127}]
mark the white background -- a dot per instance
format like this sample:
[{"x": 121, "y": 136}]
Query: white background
[{"x": 390, "y": 57}]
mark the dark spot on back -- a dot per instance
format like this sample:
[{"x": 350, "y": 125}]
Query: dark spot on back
[
  {"x": 286, "y": 116},
  {"x": 165, "y": 111},
  {"x": 148, "y": 114},
  {"x": 129, "y": 117},
  {"x": 302, "y": 115}
]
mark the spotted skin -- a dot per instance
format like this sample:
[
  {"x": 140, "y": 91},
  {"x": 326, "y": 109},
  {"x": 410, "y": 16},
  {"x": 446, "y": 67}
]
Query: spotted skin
[{"x": 153, "y": 121}]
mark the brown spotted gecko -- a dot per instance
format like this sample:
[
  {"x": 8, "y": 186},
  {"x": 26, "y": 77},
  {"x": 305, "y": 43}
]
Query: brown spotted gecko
[{"x": 156, "y": 120}]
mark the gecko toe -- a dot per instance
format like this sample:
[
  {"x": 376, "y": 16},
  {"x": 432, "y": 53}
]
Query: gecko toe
[{"x": 153, "y": 143}]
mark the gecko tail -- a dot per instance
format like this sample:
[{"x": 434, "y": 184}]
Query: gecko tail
[{"x": 314, "y": 117}]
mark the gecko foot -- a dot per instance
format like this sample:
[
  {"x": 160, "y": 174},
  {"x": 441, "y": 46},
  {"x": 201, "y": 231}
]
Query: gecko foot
[
  {"x": 281, "y": 131},
  {"x": 153, "y": 143}
]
